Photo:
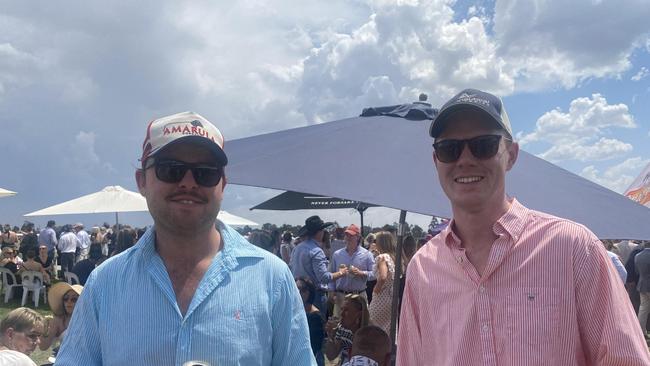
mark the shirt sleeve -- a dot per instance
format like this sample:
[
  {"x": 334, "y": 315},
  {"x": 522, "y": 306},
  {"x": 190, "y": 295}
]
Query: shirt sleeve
[
  {"x": 319, "y": 263},
  {"x": 371, "y": 264},
  {"x": 81, "y": 344},
  {"x": 333, "y": 267},
  {"x": 409, "y": 339},
  {"x": 609, "y": 329},
  {"x": 291, "y": 344},
  {"x": 620, "y": 268}
]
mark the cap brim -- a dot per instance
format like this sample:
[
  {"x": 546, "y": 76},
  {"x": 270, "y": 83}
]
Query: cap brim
[
  {"x": 440, "y": 122},
  {"x": 219, "y": 154}
]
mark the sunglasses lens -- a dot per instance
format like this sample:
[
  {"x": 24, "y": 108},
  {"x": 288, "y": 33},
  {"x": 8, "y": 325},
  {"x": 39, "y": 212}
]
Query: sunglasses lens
[
  {"x": 173, "y": 172},
  {"x": 484, "y": 147},
  {"x": 207, "y": 176},
  {"x": 170, "y": 172},
  {"x": 448, "y": 151}
]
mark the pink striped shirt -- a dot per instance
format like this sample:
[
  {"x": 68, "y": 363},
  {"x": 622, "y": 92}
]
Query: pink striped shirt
[{"x": 549, "y": 295}]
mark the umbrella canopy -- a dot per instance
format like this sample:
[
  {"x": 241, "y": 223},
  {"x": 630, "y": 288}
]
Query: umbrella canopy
[
  {"x": 306, "y": 201},
  {"x": 6, "y": 193},
  {"x": 397, "y": 171},
  {"x": 110, "y": 199},
  {"x": 234, "y": 220}
]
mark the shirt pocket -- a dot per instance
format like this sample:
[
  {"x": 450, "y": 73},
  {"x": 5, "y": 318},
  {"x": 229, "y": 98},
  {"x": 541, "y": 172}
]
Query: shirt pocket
[{"x": 533, "y": 322}]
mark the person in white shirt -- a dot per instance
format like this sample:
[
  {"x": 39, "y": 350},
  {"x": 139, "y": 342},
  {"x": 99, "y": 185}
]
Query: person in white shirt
[
  {"x": 68, "y": 244},
  {"x": 84, "y": 238}
]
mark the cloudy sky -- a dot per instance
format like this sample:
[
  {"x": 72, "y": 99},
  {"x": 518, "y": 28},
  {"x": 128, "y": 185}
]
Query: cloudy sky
[{"x": 80, "y": 80}]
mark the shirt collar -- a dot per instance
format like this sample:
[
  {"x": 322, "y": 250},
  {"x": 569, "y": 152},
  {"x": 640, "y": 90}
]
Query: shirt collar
[
  {"x": 512, "y": 224},
  {"x": 234, "y": 245}
]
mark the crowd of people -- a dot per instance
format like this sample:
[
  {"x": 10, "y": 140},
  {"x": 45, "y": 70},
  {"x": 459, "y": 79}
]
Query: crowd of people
[
  {"x": 501, "y": 284},
  {"x": 76, "y": 250}
]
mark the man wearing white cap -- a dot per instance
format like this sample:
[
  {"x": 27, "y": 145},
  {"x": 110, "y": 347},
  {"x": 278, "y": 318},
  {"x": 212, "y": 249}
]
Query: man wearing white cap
[
  {"x": 192, "y": 290},
  {"x": 503, "y": 284}
]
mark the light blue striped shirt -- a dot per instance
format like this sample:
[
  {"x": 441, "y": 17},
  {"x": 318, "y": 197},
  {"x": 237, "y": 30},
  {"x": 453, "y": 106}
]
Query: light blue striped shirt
[
  {"x": 308, "y": 260},
  {"x": 245, "y": 311}
]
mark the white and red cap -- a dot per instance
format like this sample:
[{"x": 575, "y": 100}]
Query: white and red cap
[{"x": 188, "y": 127}]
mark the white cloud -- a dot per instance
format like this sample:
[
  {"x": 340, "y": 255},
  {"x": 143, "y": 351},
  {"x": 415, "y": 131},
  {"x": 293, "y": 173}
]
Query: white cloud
[
  {"x": 618, "y": 177},
  {"x": 579, "y": 133},
  {"x": 559, "y": 43},
  {"x": 641, "y": 74},
  {"x": 412, "y": 49},
  {"x": 81, "y": 158},
  {"x": 257, "y": 66}
]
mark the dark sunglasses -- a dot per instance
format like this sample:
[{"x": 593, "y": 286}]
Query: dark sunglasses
[
  {"x": 172, "y": 171},
  {"x": 482, "y": 147},
  {"x": 70, "y": 299}
]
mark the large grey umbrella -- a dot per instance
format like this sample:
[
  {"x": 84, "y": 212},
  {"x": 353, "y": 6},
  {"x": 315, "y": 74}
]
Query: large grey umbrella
[{"x": 396, "y": 170}]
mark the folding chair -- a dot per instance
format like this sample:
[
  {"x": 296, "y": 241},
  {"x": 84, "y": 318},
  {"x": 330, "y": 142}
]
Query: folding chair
[{"x": 33, "y": 282}]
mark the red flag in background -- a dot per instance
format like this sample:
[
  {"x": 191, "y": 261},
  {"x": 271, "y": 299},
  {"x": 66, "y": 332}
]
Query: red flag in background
[{"x": 639, "y": 190}]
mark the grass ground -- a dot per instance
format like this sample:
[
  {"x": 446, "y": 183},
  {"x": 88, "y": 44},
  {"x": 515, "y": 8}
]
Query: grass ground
[{"x": 40, "y": 357}]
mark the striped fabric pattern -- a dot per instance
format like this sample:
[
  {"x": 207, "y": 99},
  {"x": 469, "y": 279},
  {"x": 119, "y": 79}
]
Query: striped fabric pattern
[
  {"x": 246, "y": 311},
  {"x": 549, "y": 295}
]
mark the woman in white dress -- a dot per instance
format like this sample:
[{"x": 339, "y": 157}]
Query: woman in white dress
[{"x": 384, "y": 269}]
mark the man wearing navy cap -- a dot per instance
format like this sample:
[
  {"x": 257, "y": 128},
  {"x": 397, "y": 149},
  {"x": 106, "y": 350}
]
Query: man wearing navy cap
[
  {"x": 503, "y": 284},
  {"x": 192, "y": 290}
]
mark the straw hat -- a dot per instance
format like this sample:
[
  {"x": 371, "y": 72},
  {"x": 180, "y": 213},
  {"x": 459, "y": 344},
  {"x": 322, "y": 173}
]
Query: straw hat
[{"x": 55, "y": 295}]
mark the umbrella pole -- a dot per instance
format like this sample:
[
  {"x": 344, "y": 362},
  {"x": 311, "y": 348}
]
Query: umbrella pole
[
  {"x": 362, "y": 235},
  {"x": 401, "y": 232},
  {"x": 117, "y": 238}
]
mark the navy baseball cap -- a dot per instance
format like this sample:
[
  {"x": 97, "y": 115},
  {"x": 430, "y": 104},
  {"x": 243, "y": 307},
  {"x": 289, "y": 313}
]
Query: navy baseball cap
[{"x": 472, "y": 99}]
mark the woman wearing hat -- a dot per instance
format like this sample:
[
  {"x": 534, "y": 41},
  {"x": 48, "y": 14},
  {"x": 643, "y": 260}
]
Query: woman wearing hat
[
  {"x": 20, "y": 332},
  {"x": 62, "y": 298}
]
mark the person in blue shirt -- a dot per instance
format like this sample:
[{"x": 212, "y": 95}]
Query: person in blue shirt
[
  {"x": 359, "y": 262},
  {"x": 308, "y": 260},
  {"x": 192, "y": 290}
]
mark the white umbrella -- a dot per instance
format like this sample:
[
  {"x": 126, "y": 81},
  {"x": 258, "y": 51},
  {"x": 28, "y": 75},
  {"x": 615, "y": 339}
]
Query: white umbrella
[
  {"x": 110, "y": 199},
  {"x": 234, "y": 220},
  {"x": 117, "y": 199},
  {"x": 6, "y": 193}
]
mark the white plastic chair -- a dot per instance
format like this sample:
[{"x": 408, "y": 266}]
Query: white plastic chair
[
  {"x": 33, "y": 281},
  {"x": 71, "y": 278},
  {"x": 6, "y": 287}
]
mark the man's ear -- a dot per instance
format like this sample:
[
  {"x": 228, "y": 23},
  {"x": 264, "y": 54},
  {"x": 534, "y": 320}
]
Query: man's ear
[
  {"x": 224, "y": 182},
  {"x": 140, "y": 179},
  {"x": 513, "y": 153}
]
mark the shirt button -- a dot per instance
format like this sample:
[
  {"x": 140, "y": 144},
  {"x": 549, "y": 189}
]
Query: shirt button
[
  {"x": 460, "y": 259},
  {"x": 481, "y": 289},
  {"x": 485, "y": 328}
]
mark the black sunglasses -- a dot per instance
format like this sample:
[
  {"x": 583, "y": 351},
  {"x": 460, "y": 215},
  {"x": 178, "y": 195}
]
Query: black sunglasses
[
  {"x": 172, "y": 171},
  {"x": 482, "y": 147}
]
